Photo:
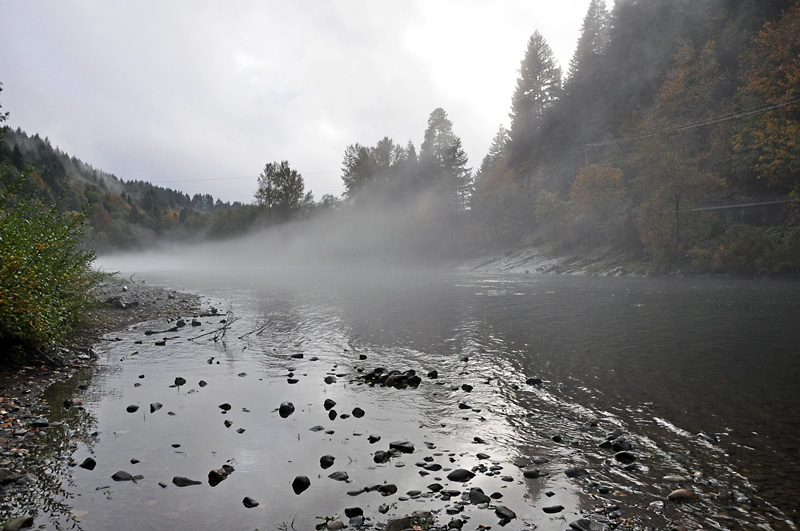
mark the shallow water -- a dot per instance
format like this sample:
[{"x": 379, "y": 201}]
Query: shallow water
[{"x": 661, "y": 359}]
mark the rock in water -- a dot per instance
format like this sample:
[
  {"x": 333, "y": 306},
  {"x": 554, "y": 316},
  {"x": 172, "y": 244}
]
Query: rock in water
[
  {"x": 504, "y": 512},
  {"x": 249, "y": 502},
  {"x": 339, "y": 476},
  {"x": 477, "y": 496},
  {"x": 575, "y": 472},
  {"x": 88, "y": 464},
  {"x": 381, "y": 457},
  {"x": 460, "y": 475},
  {"x": 326, "y": 461},
  {"x": 625, "y": 457},
  {"x": 358, "y": 412},
  {"x": 352, "y": 512},
  {"x": 402, "y": 446},
  {"x": 328, "y": 404},
  {"x": 121, "y": 476},
  {"x": 180, "y": 481},
  {"x": 286, "y": 409},
  {"x": 373, "y": 438},
  {"x": 180, "y": 381},
  {"x": 682, "y": 496},
  {"x": 19, "y": 523},
  {"x": 216, "y": 476},
  {"x": 155, "y": 406},
  {"x": 133, "y": 408},
  {"x": 553, "y": 509},
  {"x": 300, "y": 484}
]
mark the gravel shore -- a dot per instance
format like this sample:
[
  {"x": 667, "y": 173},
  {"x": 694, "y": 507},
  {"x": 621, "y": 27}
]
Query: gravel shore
[{"x": 119, "y": 304}]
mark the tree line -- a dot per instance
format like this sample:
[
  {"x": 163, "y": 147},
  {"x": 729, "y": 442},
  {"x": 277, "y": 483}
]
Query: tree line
[{"x": 670, "y": 141}]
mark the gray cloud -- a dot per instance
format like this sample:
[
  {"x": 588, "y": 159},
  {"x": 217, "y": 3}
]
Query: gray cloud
[{"x": 186, "y": 92}]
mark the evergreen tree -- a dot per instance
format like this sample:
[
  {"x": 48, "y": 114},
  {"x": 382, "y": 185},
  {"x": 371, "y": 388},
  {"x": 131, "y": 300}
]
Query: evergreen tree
[
  {"x": 538, "y": 88},
  {"x": 592, "y": 43},
  {"x": 443, "y": 161},
  {"x": 496, "y": 154}
]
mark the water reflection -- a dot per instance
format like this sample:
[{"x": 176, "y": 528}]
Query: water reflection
[{"x": 660, "y": 359}]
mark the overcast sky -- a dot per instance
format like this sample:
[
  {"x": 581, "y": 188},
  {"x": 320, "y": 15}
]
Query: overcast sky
[{"x": 200, "y": 95}]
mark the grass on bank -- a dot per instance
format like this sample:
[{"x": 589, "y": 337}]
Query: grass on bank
[{"x": 45, "y": 276}]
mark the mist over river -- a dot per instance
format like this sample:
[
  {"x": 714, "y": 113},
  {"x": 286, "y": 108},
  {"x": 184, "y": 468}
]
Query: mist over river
[{"x": 700, "y": 374}]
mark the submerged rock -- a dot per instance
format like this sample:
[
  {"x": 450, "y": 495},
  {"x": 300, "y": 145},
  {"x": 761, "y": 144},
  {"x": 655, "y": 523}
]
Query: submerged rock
[
  {"x": 180, "y": 481},
  {"x": 121, "y": 476},
  {"x": 339, "y": 476},
  {"x": 286, "y": 409}
]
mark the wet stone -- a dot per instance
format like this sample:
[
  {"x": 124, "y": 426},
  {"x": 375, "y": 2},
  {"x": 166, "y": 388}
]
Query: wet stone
[
  {"x": 180, "y": 381},
  {"x": 460, "y": 475},
  {"x": 300, "y": 484},
  {"x": 381, "y": 457},
  {"x": 217, "y": 476},
  {"x": 328, "y": 404},
  {"x": 286, "y": 409},
  {"x": 133, "y": 408},
  {"x": 402, "y": 446},
  {"x": 225, "y": 407},
  {"x": 249, "y": 502},
  {"x": 373, "y": 438},
  {"x": 552, "y": 509},
  {"x": 504, "y": 512},
  {"x": 575, "y": 472},
  {"x": 339, "y": 476},
  {"x": 88, "y": 463},
  {"x": 121, "y": 476},
  {"x": 358, "y": 412},
  {"x": 180, "y": 481},
  {"x": 326, "y": 461},
  {"x": 682, "y": 496},
  {"x": 155, "y": 406}
]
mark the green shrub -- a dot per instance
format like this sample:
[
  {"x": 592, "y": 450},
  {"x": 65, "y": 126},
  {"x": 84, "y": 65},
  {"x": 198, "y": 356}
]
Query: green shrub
[{"x": 45, "y": 277}]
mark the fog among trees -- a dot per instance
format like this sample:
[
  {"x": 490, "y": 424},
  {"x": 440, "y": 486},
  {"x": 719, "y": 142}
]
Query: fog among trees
[{"x": 670, "y": 140}]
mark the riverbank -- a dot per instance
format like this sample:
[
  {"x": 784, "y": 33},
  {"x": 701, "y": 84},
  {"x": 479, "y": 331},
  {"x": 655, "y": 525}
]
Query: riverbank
[
  {"x": 534, "y": 259},
  {"x": 23, "y": 412}
]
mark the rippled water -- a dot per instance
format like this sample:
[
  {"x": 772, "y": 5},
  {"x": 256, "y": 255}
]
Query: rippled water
[{"x": 661, "y": 359}]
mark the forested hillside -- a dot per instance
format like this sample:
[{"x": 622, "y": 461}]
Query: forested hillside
[{"x": 670, "y": 140}]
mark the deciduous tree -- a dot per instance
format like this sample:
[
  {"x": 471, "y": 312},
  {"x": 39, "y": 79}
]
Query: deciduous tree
[{"x": 281, "y": 190}]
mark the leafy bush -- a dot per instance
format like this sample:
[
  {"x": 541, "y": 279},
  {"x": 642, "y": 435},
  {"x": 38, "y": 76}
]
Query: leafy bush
[{"x": 45, "y": 277}]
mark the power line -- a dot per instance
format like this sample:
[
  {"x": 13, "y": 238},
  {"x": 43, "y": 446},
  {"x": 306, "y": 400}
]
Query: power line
[{"x": 711, "y": 121}]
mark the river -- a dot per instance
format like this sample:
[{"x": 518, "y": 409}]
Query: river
[{"x": 701, "y": 375}]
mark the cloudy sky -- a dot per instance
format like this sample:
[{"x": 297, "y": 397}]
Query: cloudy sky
[{"x": 200, "y": 95}]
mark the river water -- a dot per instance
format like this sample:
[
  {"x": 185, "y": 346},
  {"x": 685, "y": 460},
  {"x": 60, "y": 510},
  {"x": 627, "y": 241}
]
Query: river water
[{"x": 701, "y": 375}]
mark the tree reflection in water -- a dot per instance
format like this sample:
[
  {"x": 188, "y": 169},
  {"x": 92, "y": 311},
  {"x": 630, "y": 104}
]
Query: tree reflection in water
[{"x": 44, "y": 489}]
